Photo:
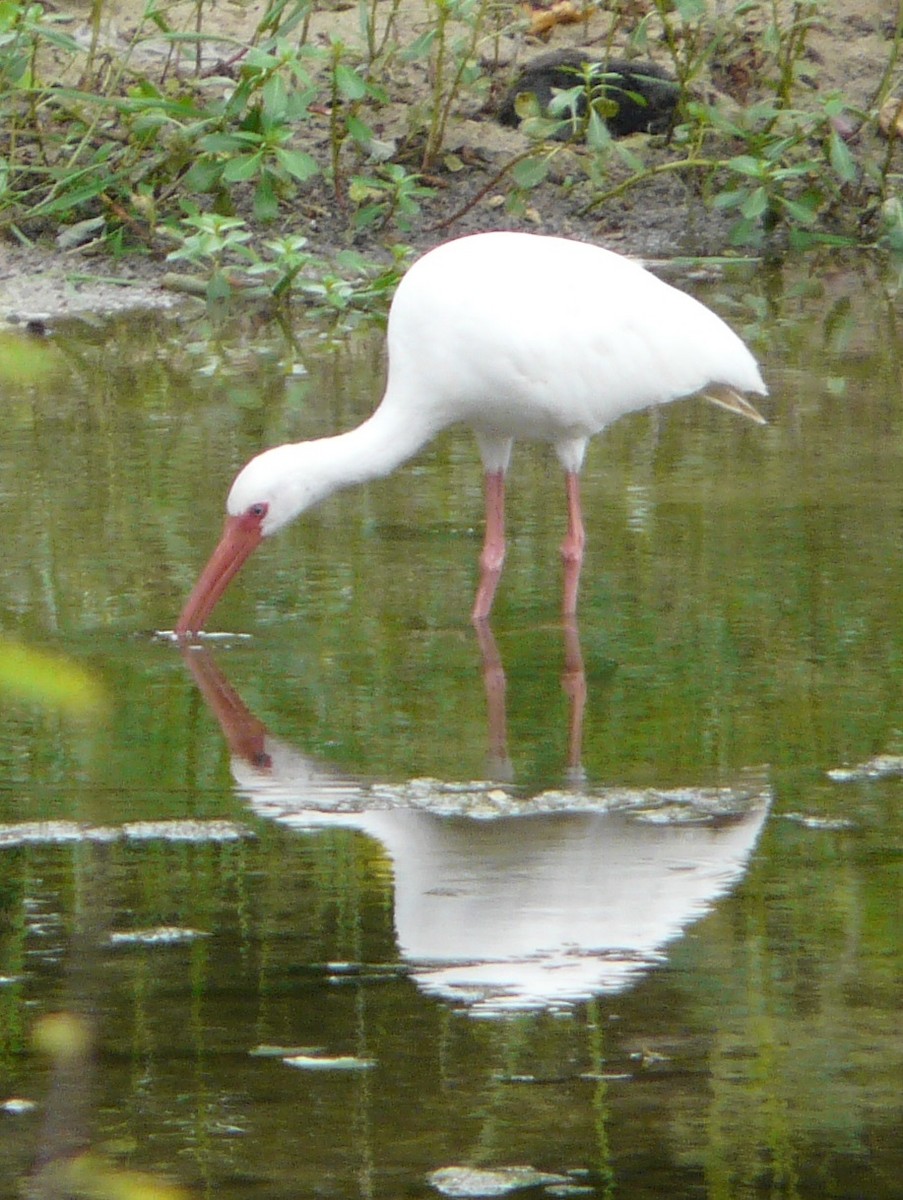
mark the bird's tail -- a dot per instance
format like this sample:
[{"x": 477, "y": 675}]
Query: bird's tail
[{"x": 726, "y": 397}]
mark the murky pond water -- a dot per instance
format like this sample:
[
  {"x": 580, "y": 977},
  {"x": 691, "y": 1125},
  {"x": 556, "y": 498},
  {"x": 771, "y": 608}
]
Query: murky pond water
[{"x": 361, "y": 897}]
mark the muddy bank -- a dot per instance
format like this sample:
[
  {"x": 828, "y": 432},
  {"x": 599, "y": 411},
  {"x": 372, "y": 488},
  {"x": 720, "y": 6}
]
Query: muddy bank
[{"x": 664, "y": 217}]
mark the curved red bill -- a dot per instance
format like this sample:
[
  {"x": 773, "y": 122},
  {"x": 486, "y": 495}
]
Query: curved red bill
[{"x": 240, "y": 537}]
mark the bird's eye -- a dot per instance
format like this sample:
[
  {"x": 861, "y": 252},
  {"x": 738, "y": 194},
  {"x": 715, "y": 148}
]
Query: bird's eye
[{"x": 258, "y": 511}]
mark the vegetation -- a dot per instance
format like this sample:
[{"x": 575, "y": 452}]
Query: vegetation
[{"x": 224, "y": 152}]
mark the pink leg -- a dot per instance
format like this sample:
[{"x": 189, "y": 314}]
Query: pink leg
[
  {"x": 572, "y": 546},
  {"x": 493, "y": 555}
]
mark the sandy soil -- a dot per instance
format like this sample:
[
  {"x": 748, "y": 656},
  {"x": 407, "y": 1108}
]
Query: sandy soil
[{"x": 847, "y": 53}]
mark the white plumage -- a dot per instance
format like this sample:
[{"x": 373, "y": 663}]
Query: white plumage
[{"x": 520, "y": 337}]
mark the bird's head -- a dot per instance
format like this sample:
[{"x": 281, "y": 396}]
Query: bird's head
[
  {"x": 267, "y": 494},
  {"x": 274, "y": 488}
]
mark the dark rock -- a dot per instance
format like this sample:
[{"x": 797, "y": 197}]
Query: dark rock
[{"x": 646, "y": 95}]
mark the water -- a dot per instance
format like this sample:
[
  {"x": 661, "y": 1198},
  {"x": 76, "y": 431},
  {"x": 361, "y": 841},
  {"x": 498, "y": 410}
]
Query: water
[{"x": 651, "y": 946}]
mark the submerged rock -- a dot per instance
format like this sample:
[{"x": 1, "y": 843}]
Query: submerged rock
[
  {"x": 461, "y": 1183},
  {"x": 160, "y": 935},
  {"x": 320, "y": 1062},
  {"x": 646, "y": 96},
  {"x": 882, "y": 766}
]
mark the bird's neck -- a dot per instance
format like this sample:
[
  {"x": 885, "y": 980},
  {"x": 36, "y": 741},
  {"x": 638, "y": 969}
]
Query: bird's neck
[{"x": 372, "y": 449}]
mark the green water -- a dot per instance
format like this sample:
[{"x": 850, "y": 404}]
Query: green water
[{"x": 369, "y": 850}]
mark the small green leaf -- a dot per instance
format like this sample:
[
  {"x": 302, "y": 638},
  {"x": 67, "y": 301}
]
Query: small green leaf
[
  {"x": 222, "y": 143},
  {"x": 531, "y": 172},
  {"x": 275, "y": 97},
  {"x": 526, "y": 106},
  {"x": 266, "y": 206},
  {"x": 421, "y": 46},
  {"x": 541, "y": 129},
  {"x": 361, "y": 189},
  {"x": 566, "y": 103},
  {"x": 628, "y": 157},
  {"x": 755, "y": 204},
  {"x": 359, "y": 130},
  {"x": 606, "y": 107},
  {"x": 259, "y": 60},
  {"x": 745, "y": 164},
  {"x": 203, "y": 175},
  {"x": 803, "y": 212},
  {"x": 841, "y": 159},
  {"x": 350, "y": 84},
  {"x": 368, "y": 215},
  {"x": 691, "y": 10},
  {"x": 597, "y": 133},
  {"x": 298, "y": 163},
  {"x": 242, "y": 168},
  {"x": 218, "y": 288},
  {"x": 732, "y": 198}
]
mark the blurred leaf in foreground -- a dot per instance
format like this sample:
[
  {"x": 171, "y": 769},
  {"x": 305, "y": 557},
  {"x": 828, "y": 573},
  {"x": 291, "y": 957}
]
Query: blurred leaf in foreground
[
  {"x": 55, "y": 682},
  {"x": 66, "y": 1039},
  {"x": 26, "y": 359},
  {"x": 89, "y": 1177}
]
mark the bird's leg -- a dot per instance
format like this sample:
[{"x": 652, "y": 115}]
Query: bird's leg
[
  {"x": 572, "y": 546},
  {"x": 492, "y": 557}
]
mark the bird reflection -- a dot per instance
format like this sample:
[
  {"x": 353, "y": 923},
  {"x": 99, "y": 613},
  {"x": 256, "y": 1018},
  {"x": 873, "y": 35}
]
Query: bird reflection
[
  {"x": 573, "y": 682},
  {"x": 560, "y": 896}
]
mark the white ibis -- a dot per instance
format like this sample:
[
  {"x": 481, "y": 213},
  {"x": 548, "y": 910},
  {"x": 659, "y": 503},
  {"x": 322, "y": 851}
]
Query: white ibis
[{"x": 518, "y": 336}]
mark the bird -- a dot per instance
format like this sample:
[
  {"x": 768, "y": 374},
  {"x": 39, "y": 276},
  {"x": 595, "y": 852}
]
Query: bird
[{"x": 521, "y": 337}]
